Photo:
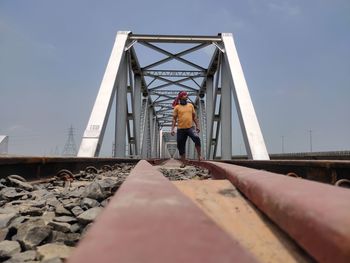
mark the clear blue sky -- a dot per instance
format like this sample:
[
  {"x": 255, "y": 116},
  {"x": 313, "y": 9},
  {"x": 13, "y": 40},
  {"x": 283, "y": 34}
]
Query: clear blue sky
[{"x": 295, "y": 56}]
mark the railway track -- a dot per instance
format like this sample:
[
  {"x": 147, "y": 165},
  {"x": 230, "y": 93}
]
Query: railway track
[
  {"x": 206, "y": 212},
  {"x": 336, "y": 172}
]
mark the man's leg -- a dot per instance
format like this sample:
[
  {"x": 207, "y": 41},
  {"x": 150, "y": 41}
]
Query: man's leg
[
  {"x": 199, "y": 153},
  {"x": 197, "y": 141},
  {"x": 181, "y": 145}
]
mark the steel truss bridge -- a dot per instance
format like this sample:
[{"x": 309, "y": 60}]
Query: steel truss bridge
[{"x": 143, "y": 96}]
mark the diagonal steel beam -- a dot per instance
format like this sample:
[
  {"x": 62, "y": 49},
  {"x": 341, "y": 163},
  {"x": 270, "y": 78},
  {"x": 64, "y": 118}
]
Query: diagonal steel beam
[
  {"x": 160, "y": 101},
  {"x": 174, "y": 56},
  {"x": 172, "y": 82}
]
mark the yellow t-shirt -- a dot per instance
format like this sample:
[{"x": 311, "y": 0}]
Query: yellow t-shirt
[{"x": 184, "y": 115}]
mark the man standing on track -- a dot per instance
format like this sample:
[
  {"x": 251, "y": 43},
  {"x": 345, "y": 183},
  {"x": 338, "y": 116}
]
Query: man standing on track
[{"x": 185, "y": 115}]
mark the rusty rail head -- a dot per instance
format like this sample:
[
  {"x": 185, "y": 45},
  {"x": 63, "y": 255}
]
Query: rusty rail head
[
  {"x": 326, "y": 171},
  {"x": 149, "y": 220},
  {"x": 315, "y": 215}
]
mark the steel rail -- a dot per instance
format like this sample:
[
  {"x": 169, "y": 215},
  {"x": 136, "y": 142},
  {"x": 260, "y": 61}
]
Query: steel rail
[
  {"x": 149, "y": 220},
  {"x": 315, "y": 215},
  {"x": 327, "y": 171}
]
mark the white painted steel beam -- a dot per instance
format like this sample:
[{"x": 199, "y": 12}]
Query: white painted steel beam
[
  {"x": 175, "y": 38},
  {"x": 154, "y": 138},
  {"x": 94, "y": 132},
  {"x": 4, "y": 141},
  {"x": 157, "y": 145},
  {"x": 133, "y": 141},
  {"x": 215, "y": 122},
  {"x": 209, "y": 97},
  {"x": 254, "y": 141},
  {"x": 144, "y": 131},
  {"x": 226, "y": 113},
  {"x": 137, "y": 107},
  {"x": 150, "y": 131},
  {"x": 121, "y": 110},
  {"x": 161, "y": 144}
]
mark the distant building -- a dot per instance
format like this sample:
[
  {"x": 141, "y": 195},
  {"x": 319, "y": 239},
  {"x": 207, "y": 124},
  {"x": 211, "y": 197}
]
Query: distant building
[{"x": 4, "y": 144}]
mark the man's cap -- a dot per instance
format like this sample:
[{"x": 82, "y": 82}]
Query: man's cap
[{"x": 180, "y": 95}]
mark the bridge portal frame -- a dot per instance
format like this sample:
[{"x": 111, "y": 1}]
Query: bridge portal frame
[{"x": 137, "y": 121}]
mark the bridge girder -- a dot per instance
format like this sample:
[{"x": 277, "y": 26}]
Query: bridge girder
[{"x": 144, "y": 94}]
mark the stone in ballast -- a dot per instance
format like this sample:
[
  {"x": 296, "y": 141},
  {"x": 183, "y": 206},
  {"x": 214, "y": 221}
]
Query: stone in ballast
[
  {"x": 10, "y": 193},
  {"x": 20, "y": 184},
  {"x": 77, "y": 210},
  {"x": 5, "y": 219},
  {"x": 60, "y": 210},
  {"x": 9, "y": 248},
  {"x": 93, "y": 191},
  {"x": 25, "y": 256},
  {"x": 54, "y": 250},
  {"x": 87, "y": 203},
  {"x": 32, "y": 235},
  {"x": 63, "y": 227},
  {"x": 53, "y": 260},
  {"x": 89, "y": 215},
  {"x": 65, "y": 219}
]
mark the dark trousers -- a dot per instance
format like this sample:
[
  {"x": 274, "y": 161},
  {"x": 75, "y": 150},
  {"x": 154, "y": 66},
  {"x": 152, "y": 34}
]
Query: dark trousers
[{"x": 182, "y": 135}]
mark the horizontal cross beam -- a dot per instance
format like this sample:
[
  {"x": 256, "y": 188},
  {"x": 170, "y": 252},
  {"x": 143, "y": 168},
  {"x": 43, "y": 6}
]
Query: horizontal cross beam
[{"x": 175, "y": 38}]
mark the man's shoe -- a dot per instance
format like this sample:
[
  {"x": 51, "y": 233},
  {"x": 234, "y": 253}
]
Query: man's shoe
[{"x": 183, "y": 165}]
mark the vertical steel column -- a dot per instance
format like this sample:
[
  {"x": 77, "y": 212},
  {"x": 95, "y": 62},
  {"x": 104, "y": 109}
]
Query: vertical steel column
[
  {"x": 253, "y": 138},
  {"x": 95, "y": 129},
  {"x": 132, "y": 140},
  {"x": 209, "y": 96},
  {"x": 150, "y": 131},
  {"x": 115, "y": 124},
  {"x": 144, "y": 131},
  {"x": 154, "y": 138},
  {"x": 202, "y": 120},
  {"x": 121, "y": 111},
  {"x": 158, "y": 141},
  {"x": 137, "y": 113},
  {"x": 202, "y": 124},
  {"x": 163, "y": 147},
  {"x": 215, "y": 125},
  {"x": 160, "y": 144},
  {"x": 226, "y": 113}
]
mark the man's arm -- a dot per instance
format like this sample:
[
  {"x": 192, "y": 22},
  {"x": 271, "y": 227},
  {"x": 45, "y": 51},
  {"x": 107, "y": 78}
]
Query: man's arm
[
  {"x": 174, "y": 122},
  {"x": 195, "y": 120},
  {"x": 173, "y": 125}
]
